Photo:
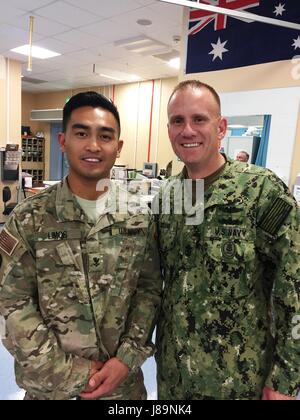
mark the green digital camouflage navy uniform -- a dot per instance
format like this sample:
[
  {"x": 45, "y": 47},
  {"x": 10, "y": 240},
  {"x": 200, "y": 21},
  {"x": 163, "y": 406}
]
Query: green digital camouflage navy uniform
[
  {"x": 72, "y": 292},
  {"x": 214, "y": 334}
]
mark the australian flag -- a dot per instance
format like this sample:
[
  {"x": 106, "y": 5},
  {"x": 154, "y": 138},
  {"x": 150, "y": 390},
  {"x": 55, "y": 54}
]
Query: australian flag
[{"x": 218, "y": 42}]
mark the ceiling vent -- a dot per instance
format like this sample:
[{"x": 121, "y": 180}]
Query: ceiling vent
[
  {"x": 143, "y": 45},
  {"x": 33, "y": 81},
  {"x": 167, "y": 56},
  {"x": 46, "y": 115}
]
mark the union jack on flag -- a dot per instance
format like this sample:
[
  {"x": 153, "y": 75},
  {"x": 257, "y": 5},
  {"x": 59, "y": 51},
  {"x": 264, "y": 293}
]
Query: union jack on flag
[
  {"x": 217, "y": 42},
  {"x": 204, "y": 18}
]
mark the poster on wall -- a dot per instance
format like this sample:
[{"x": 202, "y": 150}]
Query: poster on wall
[{"x": 218, "y": 42}]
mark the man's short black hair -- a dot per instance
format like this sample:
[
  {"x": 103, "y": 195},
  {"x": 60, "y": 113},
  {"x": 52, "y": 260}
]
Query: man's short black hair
[{"x": 92, "y": 99}]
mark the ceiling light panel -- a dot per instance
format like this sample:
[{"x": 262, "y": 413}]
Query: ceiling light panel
[{"x": 37, "y": 52}]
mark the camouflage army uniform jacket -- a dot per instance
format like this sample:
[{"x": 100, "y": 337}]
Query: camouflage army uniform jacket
[
  {"x": 72, "y": 292},
  {"x": 221, "y": 276}
]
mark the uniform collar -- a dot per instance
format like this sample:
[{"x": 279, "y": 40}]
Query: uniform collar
[
  {"x": 67, "y": 207},
  {"x": 69, "y": 210},
  {"x": 184, "y": 173},
  {"x": 224, "y": 190}
]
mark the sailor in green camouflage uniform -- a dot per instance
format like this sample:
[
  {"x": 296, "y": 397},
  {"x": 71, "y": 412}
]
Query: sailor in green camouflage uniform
[
  {"x": 232, "y": 283},
  {"x": 79, "y": 297}
]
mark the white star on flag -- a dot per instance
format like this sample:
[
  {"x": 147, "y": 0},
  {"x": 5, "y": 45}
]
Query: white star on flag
[
  {"x": 296, "y": 44},
  {"x": 279, "y": 9},
  {"x": 218, "y": 49}
]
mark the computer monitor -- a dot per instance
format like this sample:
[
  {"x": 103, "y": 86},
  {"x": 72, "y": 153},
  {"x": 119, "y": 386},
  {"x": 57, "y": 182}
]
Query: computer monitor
[{"x": 150, "y": 169}]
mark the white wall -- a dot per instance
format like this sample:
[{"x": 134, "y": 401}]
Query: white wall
[
  {"x": 134, "y": 103},
  {"x": 283, "y": 105}
]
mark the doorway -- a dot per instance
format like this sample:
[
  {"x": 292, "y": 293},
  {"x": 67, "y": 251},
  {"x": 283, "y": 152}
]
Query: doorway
[{"x": 58, "y": 162}]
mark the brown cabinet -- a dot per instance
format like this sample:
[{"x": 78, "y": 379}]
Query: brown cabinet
[{"x": 33, "y": 157}]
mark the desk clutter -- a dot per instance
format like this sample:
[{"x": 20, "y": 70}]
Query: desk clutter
[{"x": 10, "y": 158}]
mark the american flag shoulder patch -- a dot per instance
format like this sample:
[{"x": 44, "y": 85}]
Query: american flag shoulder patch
[
  {"x": 8, "y": 242},
  {"x": 274, "y": 218}
]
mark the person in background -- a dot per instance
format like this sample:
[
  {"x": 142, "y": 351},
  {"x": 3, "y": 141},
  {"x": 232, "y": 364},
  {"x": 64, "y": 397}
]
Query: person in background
[
  {"x": 80, "y": 286},
  {"x": 242, "y": 156},
  {"x": 228, "y": 328}
]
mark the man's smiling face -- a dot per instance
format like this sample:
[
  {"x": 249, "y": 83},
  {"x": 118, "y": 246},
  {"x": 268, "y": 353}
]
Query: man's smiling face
[
  {"x": 195, "y": 126},
  {"x": 91, "y": 143}
]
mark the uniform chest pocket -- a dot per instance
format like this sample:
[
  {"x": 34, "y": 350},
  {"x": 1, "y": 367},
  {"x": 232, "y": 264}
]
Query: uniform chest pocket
[
  {"x": 230, "y": 263},
  {"x": 61, "y": 282},
  {"x": 121, "y": 259},
  {"x": 121, "y": 249},
  {"x": 54, "y": 256}
]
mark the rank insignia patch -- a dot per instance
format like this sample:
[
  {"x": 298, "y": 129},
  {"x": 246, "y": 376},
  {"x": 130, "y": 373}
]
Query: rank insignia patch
[
  {"x": 96, "y": 261},
  {"x": 229, "y": 249},
  {"x": 274, "y": 218},
  {"x": 8, "y": 242}
]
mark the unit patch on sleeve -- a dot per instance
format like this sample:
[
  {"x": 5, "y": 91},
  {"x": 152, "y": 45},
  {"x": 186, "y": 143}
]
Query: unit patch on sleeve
[
  {"x": 274, "y": 218},
  {"x": 8, "y": 242}
]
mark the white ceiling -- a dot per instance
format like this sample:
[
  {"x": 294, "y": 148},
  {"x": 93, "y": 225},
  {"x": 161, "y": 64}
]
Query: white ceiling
[{"x": 85, "y": 32}]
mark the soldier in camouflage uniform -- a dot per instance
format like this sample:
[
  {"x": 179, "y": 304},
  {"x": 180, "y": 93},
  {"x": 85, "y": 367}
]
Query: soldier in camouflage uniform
[
  {"x": 80, "y": 296},
  {"x": 218, "y": 337}
]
